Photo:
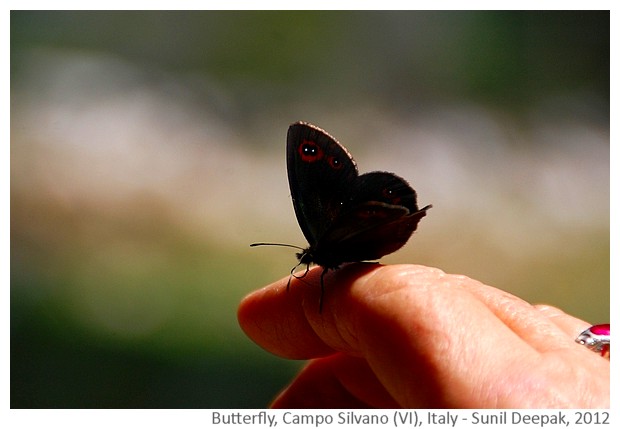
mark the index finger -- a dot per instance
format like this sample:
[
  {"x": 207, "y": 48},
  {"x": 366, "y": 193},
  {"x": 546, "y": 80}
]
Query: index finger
[
  {"x": 422, "y": 300},
  {"x": 426, "y": 335}
]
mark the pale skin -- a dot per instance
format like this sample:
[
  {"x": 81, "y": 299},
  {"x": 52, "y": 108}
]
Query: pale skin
[{"x": 415, "y": 337}]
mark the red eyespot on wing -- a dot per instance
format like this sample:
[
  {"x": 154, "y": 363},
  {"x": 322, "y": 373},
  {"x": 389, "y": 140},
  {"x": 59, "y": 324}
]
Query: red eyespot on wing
[
  {"x": 335, "y": 163},
  {"x": 391, "y": 196},
  {"x": 309, "y": 151}
]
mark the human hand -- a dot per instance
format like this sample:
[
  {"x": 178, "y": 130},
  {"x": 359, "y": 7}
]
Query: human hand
[{"x": 414, "y": 337}]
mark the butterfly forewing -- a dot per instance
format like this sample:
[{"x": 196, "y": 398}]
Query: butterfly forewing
[{"x": 320, "y": 172}]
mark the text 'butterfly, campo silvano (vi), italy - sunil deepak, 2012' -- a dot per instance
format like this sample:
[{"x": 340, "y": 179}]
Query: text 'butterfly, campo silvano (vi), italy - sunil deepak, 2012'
[{"x": 346, "y": 217}]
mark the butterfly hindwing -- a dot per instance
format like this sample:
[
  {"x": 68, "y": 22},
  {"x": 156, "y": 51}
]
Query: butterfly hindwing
[{"x": 382, "y": 216}]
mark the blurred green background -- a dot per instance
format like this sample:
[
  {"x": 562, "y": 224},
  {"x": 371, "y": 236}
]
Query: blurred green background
[{"x": 147, "y": 152}]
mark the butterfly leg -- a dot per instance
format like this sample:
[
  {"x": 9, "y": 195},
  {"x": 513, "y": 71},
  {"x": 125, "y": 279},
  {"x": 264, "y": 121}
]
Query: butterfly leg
[{"x": 288, "y": 284}]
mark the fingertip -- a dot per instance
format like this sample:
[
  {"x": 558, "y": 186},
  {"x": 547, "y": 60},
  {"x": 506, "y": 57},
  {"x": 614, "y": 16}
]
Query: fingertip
[{"x": 274, "y": 319}]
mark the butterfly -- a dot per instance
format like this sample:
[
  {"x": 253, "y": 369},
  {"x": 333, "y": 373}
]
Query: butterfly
[{"x": 345, "y": 216}]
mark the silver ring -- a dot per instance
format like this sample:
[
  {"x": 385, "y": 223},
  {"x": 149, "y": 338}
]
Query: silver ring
[{"x": 597, "y": 339}]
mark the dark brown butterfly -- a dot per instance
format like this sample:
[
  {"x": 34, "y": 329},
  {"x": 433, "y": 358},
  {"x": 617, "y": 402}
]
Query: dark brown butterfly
[{"x": 346, "y": 217}]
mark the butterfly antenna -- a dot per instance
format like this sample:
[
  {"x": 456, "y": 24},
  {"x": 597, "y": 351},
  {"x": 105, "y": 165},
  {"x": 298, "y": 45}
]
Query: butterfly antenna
[{"x": 277, "y": 244}]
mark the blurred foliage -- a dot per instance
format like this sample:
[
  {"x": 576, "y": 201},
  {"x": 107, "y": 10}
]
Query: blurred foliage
[
  {"x": 129, "y": 245},
  {"x": 508, "y": 58}
]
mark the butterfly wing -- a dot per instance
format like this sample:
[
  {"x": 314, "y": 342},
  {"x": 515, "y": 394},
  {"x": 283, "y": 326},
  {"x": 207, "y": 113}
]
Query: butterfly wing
[
  {"x": 382, "y": 216},
  {"x": 320, "y": 172}
]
